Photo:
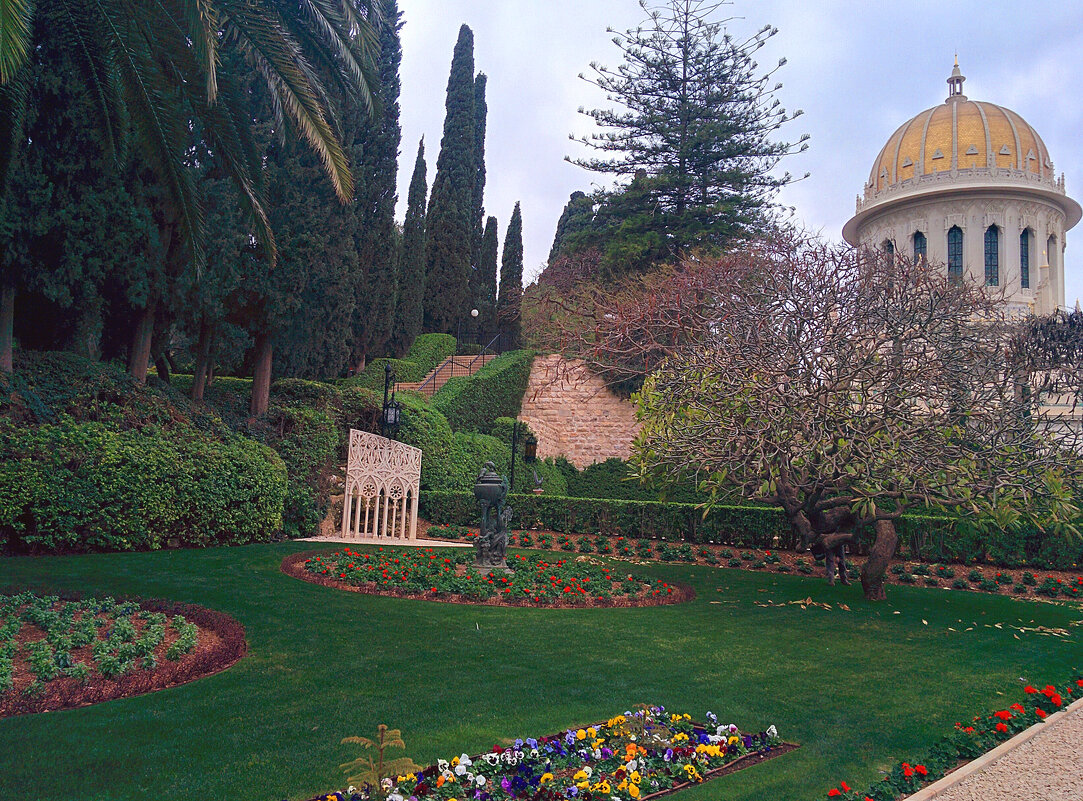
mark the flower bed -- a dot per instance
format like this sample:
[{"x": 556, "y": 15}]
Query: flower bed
[
  {"x": 637, "y": 755},
  {"x": 58, "y": 653},
  {"x": 967, "y": 742},
  {"x": 446, "y": 575},
  {"x": 1019, "y": 582}
]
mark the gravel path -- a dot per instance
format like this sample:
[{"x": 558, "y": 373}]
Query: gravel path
[{"x": 1048, "y": 767}]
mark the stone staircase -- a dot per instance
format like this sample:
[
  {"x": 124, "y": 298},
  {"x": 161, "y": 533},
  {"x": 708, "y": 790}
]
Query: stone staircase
[{"x": 452, "y": 367}]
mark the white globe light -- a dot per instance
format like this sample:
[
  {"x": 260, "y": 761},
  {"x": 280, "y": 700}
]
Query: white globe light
[{"x": 473, "y": 312}]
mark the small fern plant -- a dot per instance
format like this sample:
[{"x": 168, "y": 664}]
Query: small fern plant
[{"x": 366, "y": 771}]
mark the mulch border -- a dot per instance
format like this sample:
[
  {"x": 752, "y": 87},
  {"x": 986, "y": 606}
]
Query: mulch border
[
  {"x": 293, "y": 566},
  {"x": 68, "y": 693}
]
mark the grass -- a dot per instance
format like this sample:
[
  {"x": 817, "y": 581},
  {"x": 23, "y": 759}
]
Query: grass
[{"x": 859, "y": 689}]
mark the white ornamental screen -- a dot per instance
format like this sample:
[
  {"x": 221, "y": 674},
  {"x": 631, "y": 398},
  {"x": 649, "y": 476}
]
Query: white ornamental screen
[{"x": 382, "y": 482}]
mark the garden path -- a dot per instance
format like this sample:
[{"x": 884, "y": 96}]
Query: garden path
[{"x": 1047, "y": 766}]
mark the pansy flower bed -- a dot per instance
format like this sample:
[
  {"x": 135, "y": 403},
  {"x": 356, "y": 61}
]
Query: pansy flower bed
[
  {"x": 440, "y": 574},
  {"x": 634, "y": 756}
]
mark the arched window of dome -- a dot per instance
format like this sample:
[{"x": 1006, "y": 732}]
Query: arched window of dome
[
  {"x": 992, "y": 256},
  {"x": 888, "y": 248},
  {"x": 1051, "y": 252},
  {"x": 921, "y": 247},
  {"x": 1025, "y": 237},
  {"x": 955, "y": 252}
]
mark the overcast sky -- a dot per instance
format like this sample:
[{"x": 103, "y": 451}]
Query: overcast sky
[{"x": 858, "y": 69}]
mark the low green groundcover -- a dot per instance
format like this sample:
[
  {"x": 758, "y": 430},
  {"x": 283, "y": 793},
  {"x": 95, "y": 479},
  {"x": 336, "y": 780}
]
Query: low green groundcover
[
  {"x": 434, "y": 573},
  {"x": 635, "y": 755},
  {"x": 48, "y": 639}
]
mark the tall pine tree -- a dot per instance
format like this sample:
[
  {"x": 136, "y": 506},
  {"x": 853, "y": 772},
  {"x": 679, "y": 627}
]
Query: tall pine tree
[
  {"x": 487, "y": 328},
  {"x": 375, "y": 173},
  {"x": 409, "y": 312},
  {"x": 449, "y": 227},
  {"x": 476, "y": 300},
  {"x": 510, "y": 304}
]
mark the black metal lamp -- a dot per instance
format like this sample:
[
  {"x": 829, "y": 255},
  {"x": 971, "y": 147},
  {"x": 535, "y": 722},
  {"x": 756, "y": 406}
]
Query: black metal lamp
[
  {"x": 392, "y": 417},
  {"x": 530, "y": 448}
]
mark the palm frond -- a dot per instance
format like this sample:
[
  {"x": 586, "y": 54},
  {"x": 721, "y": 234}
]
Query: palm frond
[
  {"x": 202, "y": 19},
  {"x": 275, "y": 54},
  {"x": 16, "y": 25}
]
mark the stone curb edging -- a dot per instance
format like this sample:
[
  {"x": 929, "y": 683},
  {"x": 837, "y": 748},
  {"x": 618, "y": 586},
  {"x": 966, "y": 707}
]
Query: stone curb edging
[{"x": 988, "y": 758}]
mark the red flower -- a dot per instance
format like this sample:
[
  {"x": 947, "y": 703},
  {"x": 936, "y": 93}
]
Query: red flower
[
  {"x": 833, "y": 792},
  {"x": 908, "y": 771},
  {"x": 1029, "y": 690},
  {"x": 1056, "y": 699},
  {"x": 1018, "y": 707},
  {"x": 1004, "y": 714},
  {"x": 1002, "y": 727},
  {"x": 921, "y": 770},
  {"x": 1041, "y": 713},
  {"x": 845, "y": 787}
]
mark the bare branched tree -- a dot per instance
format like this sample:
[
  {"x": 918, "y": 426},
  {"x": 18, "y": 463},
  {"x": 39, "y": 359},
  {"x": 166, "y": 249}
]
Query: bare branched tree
[{"x": 842, "y": 385}]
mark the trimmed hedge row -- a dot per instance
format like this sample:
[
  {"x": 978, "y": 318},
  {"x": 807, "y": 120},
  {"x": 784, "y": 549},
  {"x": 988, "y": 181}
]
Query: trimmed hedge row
[
  {"x": 616, "y": 479},
  {"x": 427, "y": 352},
  {"x": 473, "y": 403},
  {"x": 86, "y": 486},
  {"x": 926, "y": 537}
]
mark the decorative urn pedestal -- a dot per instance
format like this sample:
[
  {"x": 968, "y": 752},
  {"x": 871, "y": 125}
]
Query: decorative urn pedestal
[{"x": 491, "y": 490}]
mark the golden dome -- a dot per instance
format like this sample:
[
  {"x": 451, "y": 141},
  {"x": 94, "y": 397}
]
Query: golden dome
[{"x": 959, "y": 134}]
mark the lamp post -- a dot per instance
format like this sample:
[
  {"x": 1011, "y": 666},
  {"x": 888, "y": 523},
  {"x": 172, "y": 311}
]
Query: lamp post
[
  {"x": 390, "y": 412},
  {"x": 514, "y": 443},
  {"x": 459, "y": 329}
]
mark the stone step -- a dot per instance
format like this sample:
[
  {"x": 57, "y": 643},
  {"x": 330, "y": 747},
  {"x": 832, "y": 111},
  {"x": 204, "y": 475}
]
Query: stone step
[{"x": 452, "y": 367}]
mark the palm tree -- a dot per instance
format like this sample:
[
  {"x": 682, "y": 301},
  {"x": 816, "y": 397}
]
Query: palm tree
[{"x": 161, "y": 69}]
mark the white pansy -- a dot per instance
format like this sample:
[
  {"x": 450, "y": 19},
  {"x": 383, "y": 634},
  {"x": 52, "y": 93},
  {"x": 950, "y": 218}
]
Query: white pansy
[
  {"x": 464, "y": 759},
  {"x": 597, "y": 753},
  {"x": 588, "y": 770},
  {"x": 480, "y": 781},
  {"x": 395, "y": 797},
  {"x": 632, "y": 765},
  {"x": 460, "y": 769},
  {"x": 442, "y": 764},
  {"x": 534, "y": 752},
  {"x": 492, "y": 759},
  {"x": 772, "y": 731},
  {"x": 632, "y": 737}
]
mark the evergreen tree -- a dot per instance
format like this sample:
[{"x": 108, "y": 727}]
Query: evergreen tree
[
  {"x": 487, "y": 327},
  {"x": 510, "y": 303},
  {"x": 409, "y": 310},
  {"x": 449, "y": 227},
  {"x": 698, "y": 119},
  {"x": 476, "y": 300},
  {"x": 577, "y": 216},
  {"x": 375, "y": 174}
]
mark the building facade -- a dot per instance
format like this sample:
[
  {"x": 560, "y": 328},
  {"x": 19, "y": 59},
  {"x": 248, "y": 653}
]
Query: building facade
[{"x": 970, "y": 185}]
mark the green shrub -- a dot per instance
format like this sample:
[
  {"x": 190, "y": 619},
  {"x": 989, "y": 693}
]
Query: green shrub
[
  {"x": 473, "y": 403},
  {"x": 616, "y": 479},
  {"x": 959, "y": 584},
  {"x": 425, "y": 355},
  {"x": 84, "y": 486}
]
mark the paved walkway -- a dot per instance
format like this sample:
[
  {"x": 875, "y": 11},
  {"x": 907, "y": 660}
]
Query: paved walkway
[
  {"x": 1047, "y": 767},
  {"x": 389, "y": 542}
]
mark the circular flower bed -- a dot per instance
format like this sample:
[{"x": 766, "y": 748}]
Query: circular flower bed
[
  {"x": 446, "y": 575},
  {"x": 56, "y": 653}
]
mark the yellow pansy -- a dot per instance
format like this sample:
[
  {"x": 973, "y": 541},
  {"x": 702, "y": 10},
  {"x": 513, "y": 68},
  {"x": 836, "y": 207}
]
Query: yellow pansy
[
  {"x": 592, "y": 732},
  {"x": 454, "y": 761},
  {"x": 581, "y": 734},
  {"x": 733, "y": 740},
  {"x": 634, "y": 777},
  {"x": 633, "y": 790},
  {"x": 546, "y": 777}
]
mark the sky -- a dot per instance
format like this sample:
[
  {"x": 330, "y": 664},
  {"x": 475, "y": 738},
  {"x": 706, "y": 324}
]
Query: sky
[{"x": 857, "y": 69}]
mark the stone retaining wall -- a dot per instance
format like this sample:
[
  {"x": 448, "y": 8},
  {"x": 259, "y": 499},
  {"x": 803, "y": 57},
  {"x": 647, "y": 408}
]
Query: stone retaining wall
[{"x": 575, "y": 415}]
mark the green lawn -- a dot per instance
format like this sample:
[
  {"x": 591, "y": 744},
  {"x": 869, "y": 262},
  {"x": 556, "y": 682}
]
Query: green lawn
[{"x": 857, "y": 689}]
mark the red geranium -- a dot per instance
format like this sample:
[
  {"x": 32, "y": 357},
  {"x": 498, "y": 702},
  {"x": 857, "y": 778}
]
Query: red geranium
[
  {"x": 1041, "y": 713},
  {"x": 921, "y": 770},
  {"x": 1002, "y": 727}
]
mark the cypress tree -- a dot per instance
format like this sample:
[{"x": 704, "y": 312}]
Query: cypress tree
[
  {"x": 409, "y": 314},
  {"x": 510, "y": 304},
  {"x": 449, "y": 226},
  {"x": 487, "y": 328},
  {"x": 375, "y": 173},
  {"x": 476, "y": 299},
  {"x": 577, "y": 216}
]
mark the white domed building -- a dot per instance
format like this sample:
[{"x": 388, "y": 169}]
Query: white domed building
[{"x": 970, "y": 185}]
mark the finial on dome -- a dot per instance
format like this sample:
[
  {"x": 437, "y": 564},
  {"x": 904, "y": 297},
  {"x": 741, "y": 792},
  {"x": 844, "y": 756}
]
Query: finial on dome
[{"x": 955, "y": 83}]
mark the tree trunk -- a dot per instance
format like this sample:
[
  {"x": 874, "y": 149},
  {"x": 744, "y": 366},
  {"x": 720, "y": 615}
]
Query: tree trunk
[
  {"x": 872, "y": 574},
  {"x": 7, "y": 327},
  {"x": 203, "y": 356},
  {"x": 261, "y": 378},
  {"x": 139, "y": 359},
  {"x": 162, "y": 365}
]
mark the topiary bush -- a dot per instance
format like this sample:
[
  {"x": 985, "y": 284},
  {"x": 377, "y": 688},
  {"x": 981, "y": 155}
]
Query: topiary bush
[
  {"x": 425, "y": 355},
  {"x": 473, "y": 403},
  {"x": 77, "y": 486}
]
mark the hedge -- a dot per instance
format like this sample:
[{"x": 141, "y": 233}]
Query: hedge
[
  {"x": 473, "y": 403},
  {"x": 616, "y": 479},
  {"x": 85, "y": 486},
  {"x": 427, "y": 352},
  {"x": 752, "y": 527},
  {"x": 931, "y": 538}
]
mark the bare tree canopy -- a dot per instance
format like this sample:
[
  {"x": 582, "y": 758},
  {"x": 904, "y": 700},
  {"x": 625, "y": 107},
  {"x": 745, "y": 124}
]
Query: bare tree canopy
[{"x": 842, "y": 385}]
